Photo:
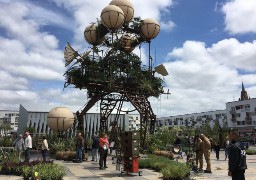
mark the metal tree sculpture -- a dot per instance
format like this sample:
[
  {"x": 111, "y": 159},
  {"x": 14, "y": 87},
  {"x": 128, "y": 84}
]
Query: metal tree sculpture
[{"x": 110, "y": 71}]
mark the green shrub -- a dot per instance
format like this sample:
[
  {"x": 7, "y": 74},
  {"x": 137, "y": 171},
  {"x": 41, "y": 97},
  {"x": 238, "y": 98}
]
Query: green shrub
[
  {"x": 250, "y": 151},
  {"x": 175, "y": 170},
  {"x": 170, "y": 169},
  {"x": 46, "y": 171}
]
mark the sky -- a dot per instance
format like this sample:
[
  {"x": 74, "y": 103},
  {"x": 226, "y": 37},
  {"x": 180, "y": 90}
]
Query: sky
[{"x": 207, "y": 46}]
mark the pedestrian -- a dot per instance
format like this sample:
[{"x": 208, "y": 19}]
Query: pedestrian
[
  {"x": 217, "y": 150},
  {"x": 79, "y": 147},
  {"x": 104, "y": 146},
  {"x": 18, "y": 146},
  {"x": 237, "y": 158},
  {"x": 226, "y": 148},
  {"x": 212, "y": 144},
  {"x": 95, "y": 148},
  {"x": 199, "y": 152},
  {"x": 207, "y": 152},
  {"x": 44, "y": 148},
  {"x": 27, "y": 146}
]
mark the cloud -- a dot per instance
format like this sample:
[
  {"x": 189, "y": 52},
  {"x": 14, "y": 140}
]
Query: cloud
[
  {"x": 235, "y": 54},
  {"x": 167, "y": 26},
  {"x": 240, "y": 16},
  {"x": 202, "y": 79}
]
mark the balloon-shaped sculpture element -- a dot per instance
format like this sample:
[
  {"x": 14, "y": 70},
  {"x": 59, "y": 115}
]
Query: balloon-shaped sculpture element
[
  {"x": 112, "y": 17},
  {"x": 91, "y": 35},
  {"x": 126, "y": 7},
  {"x": 60, "y": 119},
  {"x": 126, "y": 41},
  {"x": 149, "y": 28}
]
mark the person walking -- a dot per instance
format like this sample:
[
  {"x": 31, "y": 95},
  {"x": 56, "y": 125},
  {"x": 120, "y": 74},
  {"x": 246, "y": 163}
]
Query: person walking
[
  {"x": 79, "y": 148},
  {"x": 199, "y": 152},
  {"x": 237, "y": 158},
  {"x": 217, "y": 150},
  {"x": 104, "y": 145},
  {"x": 27, "y": 146},
  {"x": 95, "y": 148},
  {"x": 44, "y": 148},
  {"x": 18, "y": 146},
  {"x": 226, "y": 149},
  {"x": 207, "y": 152}
]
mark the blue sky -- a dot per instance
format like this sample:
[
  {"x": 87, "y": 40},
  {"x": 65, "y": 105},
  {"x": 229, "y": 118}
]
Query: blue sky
[{"x": 207, "y": 46}]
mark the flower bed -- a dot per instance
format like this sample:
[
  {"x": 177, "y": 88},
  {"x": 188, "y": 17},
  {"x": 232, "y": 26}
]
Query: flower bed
[
  {"x": 41, "y": 170},
  {"x": 170, "y": 169}
]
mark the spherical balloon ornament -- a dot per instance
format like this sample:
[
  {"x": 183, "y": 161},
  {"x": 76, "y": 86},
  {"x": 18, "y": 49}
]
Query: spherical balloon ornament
[
  {"x": 60, "y": 119},
  {"x": 149, "y": 28},
  {"x": 126, "y": 7},
  {"x": 112, "y": 17},
  {"x": 91, "y": 36}
]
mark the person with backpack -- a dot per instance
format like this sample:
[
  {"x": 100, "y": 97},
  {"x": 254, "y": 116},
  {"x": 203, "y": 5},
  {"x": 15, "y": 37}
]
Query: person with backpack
[
  {"x": 237, "y": 158},
  {"x": 95, "y": 147}
]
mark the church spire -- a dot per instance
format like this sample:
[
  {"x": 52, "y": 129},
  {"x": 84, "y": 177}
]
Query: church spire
[{"x": 244, "y": 95}]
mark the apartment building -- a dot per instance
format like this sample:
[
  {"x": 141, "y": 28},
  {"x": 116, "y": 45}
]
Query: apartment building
[
  {"x": 239, "y": 114},
  {"x": 9, "y": 117}
]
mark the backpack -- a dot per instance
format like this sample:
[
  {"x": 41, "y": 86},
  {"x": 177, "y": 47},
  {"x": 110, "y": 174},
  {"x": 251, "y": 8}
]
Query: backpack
[{"x": 242, "y": 156}]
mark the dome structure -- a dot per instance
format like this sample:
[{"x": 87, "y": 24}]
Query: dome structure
[
  {"x": 126, "y": 7},
  {"x": 112, "y": 17},
  {"x": 149, "y": 28},
  {"x": 60, "y": 119},
  {"x": 91, "y": 36}
]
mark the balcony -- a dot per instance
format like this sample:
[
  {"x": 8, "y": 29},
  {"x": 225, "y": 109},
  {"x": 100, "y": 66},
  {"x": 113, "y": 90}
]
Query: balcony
[
  {"x": 233, "y": 119},
  {"x": 248, "y": 119},
  {"x": 232, "y": 111}
]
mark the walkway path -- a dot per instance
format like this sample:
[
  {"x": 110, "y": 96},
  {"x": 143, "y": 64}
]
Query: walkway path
[{"x": 90, "y": 171}]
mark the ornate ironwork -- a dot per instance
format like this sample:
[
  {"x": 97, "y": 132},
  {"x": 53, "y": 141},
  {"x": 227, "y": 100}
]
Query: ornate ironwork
[{"x": 111, "y": 73}]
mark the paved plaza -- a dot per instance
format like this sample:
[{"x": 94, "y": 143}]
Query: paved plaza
[{"x": 90, "y": 170}]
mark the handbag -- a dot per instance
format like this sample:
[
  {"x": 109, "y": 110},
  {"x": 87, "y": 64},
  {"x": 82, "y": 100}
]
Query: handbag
[{"x": 105, "y": 147}]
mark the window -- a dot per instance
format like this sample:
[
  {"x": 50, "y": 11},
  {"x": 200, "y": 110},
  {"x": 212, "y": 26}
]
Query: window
[
  {"x": 247, "y": 106},
  {"x": 238, "y": 115}
]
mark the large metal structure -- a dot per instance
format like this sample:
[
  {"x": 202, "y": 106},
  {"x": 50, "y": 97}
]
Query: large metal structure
[{"x": 111, "y": 72}]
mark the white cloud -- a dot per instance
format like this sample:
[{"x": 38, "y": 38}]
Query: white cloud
[
  {"x": 167, "y": 26},
  {"x": 235, "y": 54},
  {"x": 201, "y": 79},
  {"x": 240, "y": 16}
]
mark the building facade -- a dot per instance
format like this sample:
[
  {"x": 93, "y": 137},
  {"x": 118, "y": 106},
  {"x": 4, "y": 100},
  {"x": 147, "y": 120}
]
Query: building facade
[
  {"x": 38, "y": 121},
  {"x": 239, "y": 114},
  {"x": 195, "y": 119},
  {"x": 10, "y": 118}
]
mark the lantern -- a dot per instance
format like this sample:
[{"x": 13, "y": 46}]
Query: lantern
[
  {"x": 91, "y": 36},
  {"x": 112, "y": 17},
  {"x": 126, "y": 7},
  {"x": 60, "y": 119},
  {"x": 149, "y": 28}
]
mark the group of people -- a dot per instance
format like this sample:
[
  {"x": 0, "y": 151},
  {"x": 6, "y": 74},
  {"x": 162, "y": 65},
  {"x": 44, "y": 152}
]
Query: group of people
[
  {"x": 100, "y": 145},
  {"x": 26, "y": 145},
  {"x": 234, "y": 151}
]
